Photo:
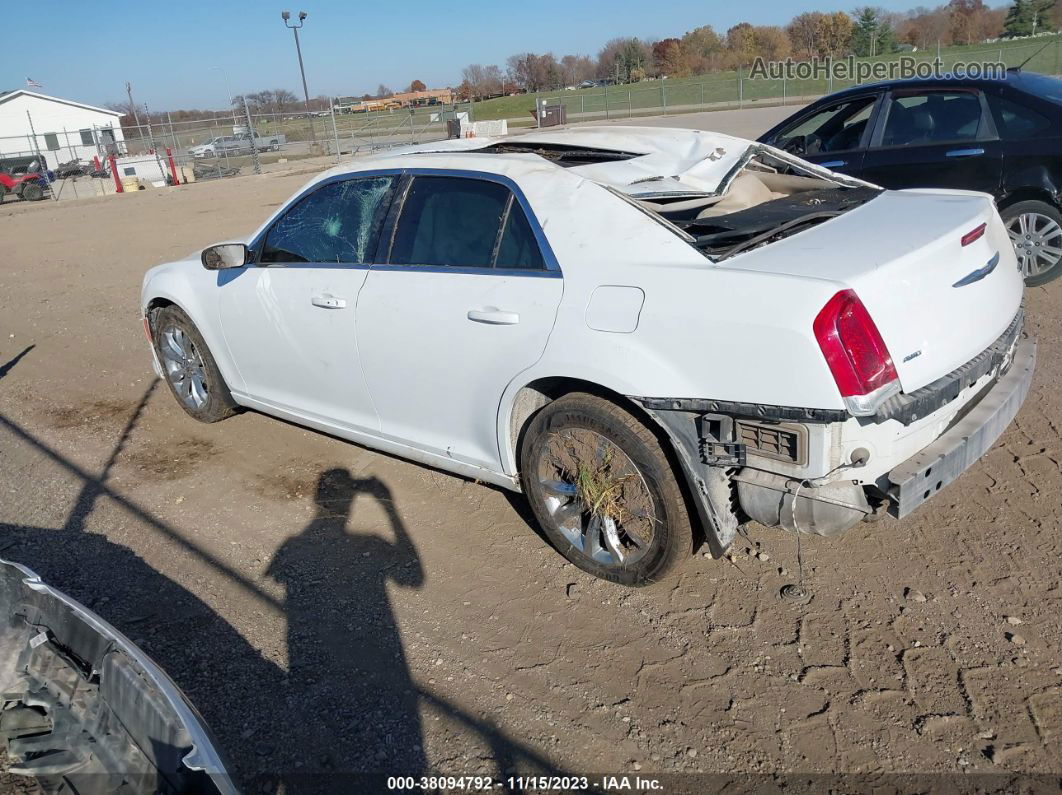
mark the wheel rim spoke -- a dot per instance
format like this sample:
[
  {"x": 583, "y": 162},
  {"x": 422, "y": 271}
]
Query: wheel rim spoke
[
  {"x": 596, "y": 498},
  {"x": 1037, "y": 240},
  {"x": 558, "y": 488},
  {"x": 612, "y": 541},
  {"x": 184, "y": 367}
]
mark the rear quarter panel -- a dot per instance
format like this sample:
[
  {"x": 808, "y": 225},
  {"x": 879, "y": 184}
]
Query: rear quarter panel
[{"x": 704, "y": 331}]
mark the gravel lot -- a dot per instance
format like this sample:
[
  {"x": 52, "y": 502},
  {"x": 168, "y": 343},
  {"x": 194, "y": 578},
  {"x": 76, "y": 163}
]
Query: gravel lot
[{"x": 328, "y": 608}]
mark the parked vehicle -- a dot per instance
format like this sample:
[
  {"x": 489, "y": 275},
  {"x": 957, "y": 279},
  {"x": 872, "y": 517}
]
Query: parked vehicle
[
  {"x": 72, "y": 168},
  {"x": 26, "y": 177},
  {"x": 239, "y": 144},
  {"x": 1002, "y": 137},
  {"x": 655, "y": 334}
]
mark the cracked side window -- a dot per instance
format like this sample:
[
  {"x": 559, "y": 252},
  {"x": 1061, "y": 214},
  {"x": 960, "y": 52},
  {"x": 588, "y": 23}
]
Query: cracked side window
[{"x": 339, "y": 223}]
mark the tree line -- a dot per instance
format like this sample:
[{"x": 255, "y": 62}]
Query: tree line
[{"x": 866, "y": 31}]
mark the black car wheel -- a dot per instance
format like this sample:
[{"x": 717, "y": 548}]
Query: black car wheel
[{"x": 1035, "y": 228}]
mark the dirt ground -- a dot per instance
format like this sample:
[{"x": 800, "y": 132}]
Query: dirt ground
[{"x": 328, "y": 608}]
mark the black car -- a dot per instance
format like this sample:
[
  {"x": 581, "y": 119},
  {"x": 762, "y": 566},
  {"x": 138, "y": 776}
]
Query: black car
[{"x": 1000, "y": 136}]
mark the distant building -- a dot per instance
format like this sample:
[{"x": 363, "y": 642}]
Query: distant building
[
  {"x": 431, "y": 96},
  {"x": 65, "y": 130},
  {"x": 403, "y": 99}
]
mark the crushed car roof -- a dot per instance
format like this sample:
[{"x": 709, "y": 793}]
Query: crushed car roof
[{"x": 640, "y": 161}]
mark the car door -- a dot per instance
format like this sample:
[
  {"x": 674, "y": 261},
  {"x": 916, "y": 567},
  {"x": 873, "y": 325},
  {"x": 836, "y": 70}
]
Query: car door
[
  {"x": 834, "y": 135},
  {"x": 289, "y": 318},
  {"x": 466, "y": 302},
  {"x": 935, "y": 138}
]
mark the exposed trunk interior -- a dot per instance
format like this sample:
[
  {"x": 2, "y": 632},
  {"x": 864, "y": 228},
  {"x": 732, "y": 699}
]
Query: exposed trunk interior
[{"x": 760, "y": 204}]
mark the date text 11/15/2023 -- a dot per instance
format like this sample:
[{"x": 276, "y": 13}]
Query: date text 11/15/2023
[{"x": 616, "y": 783}]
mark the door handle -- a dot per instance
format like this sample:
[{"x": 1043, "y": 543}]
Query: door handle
[
  {"x": 327, "y": 301},
  {"x": 965, "y": 152},
  {"x": 493, "y": 317},
  {"x": 833, "y": 164}
]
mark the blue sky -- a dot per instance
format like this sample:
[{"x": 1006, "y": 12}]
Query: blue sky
[{"x": 88, "y": 51}]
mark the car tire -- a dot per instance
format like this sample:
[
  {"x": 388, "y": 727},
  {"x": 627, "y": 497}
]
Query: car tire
[
  {"x": 31, "y": 192},
  {"x": 3, "y": 193},
  {"x": 582, "y": 448},
  {"x": 189, "y": 368},
  {"x": 1033, "y": 225}
]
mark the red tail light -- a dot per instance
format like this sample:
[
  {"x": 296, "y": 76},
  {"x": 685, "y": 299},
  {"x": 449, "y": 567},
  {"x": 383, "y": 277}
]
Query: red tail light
[
  {"x": 856, "y": 354},
  {"x": 974, "y": 234}
]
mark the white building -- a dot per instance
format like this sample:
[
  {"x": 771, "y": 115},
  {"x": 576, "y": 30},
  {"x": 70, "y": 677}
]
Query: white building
[{"x": 65, "y": 130}]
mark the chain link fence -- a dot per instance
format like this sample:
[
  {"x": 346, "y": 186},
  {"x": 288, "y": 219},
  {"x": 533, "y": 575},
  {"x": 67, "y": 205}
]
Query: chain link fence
[
  {"x": 738, "y": 90},
  {"x": 165, "y": 151}
]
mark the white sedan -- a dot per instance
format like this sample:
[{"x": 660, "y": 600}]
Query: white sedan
[{"x": 656, "y": 335}]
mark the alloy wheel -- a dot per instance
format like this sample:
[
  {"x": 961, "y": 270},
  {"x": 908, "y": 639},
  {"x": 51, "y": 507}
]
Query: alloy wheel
[
  {"x": 1037, "y": 241},
  {"x": 184, "y": 367},
  {"x": 596, "y": 497}
]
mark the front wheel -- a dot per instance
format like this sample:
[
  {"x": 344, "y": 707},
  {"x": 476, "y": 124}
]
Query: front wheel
[
  {"x": 32, "y": 192},
  {"x": 604, "y": 492},
  {"x": 1035, "y": 229},
  {"x": 190, "y": 370}
]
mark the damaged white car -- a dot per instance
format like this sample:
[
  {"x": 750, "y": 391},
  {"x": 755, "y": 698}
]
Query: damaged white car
[{"x": 657, "y": 335}]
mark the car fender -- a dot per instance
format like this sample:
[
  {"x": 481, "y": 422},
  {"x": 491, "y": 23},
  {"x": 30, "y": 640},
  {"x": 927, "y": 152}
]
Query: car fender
[
  {"x": 1035, "y": 177},
  {"x": 193, "y": 289}
]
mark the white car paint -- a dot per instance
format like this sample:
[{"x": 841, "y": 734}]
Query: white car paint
[{"x": 407, "y": 364}]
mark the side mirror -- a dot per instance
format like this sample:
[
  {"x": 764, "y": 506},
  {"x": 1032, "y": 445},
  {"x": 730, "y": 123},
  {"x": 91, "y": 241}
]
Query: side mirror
[{"x": 224, "y": 255}]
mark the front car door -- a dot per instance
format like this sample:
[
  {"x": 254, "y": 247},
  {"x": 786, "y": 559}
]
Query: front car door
[
  {"x": 289, "y": 318},
  {"x": 935, "y": 138},
  {"x": 465, "y": 302},
  {"x": 834, "y": 135}
]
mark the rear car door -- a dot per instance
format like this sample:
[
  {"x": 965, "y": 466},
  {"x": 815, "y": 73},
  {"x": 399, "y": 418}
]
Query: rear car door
[
  {"x": 465, "y": 302},
  {"x": 834, "y": 135},
  {"x": 289, "y": 318},
  {"x": 935, "y": 138}
]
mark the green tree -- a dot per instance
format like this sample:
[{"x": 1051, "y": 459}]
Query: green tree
[
  {"x": 1027, "y": 17},
  {"x": 871, "y": 34}
]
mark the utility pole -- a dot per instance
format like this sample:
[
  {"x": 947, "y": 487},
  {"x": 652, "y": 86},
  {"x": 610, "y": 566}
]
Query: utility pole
[
  {"x": 254, "y": 147},
  {"x": 302, "y": 71},
  {"x": 132, "y": 104}
]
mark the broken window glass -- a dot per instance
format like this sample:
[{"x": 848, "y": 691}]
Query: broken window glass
[{"x": 339, "y": 222}]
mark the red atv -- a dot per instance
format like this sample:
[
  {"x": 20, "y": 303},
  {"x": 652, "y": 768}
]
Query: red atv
[{"x": 27, "y": 187}]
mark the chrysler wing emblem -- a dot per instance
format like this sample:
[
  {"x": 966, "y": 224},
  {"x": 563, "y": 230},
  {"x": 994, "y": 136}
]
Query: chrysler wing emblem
[{"x": 980, "y": 273}]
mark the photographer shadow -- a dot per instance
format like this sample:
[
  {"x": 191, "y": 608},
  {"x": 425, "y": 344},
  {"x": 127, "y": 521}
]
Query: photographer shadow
[{"x": 349, "y": 678}]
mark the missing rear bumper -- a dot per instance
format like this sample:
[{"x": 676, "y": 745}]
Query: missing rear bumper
[{"x": 923, "y": 475}]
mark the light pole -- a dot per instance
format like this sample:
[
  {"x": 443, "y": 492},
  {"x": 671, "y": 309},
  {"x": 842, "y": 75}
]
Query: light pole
[
  {"x": 228, "y": 90},
  {"x": 298, "y": 49}
]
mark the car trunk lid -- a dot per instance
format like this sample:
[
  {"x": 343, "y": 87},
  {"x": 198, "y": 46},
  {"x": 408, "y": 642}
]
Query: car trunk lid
[{"x": 936, "y": 301}]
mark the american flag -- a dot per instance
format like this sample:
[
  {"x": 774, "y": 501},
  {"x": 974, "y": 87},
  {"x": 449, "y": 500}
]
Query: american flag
[{"x": 31, "y": 83}]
